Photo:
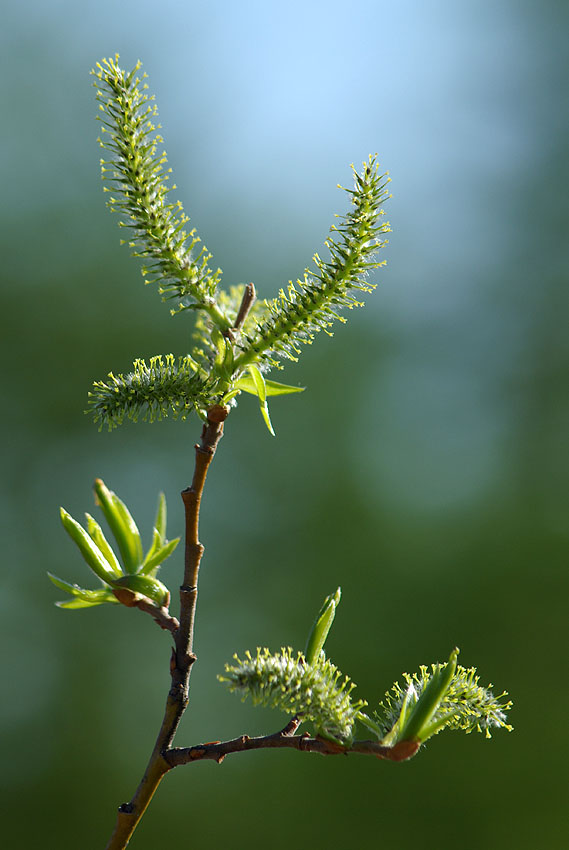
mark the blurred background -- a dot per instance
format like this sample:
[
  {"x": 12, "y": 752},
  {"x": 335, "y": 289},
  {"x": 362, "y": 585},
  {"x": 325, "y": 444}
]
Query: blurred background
[{"x": 425, "y": 469}]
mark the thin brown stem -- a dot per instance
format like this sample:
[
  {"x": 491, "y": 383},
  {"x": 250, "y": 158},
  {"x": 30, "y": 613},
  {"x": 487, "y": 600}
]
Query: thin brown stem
[
  {"x": 160, "y": 615},
  {"x": 218, "y": 750},
  {"x": 249, "y": 296},
  {"x": 129, "y": 814},
  {"x": 184, "y": 638}
]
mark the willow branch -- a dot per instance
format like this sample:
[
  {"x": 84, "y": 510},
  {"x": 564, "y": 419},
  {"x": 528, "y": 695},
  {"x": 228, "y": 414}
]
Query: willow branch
[
  {"x": 218, "y": 750},
  {"x": 129, "y": 814},
  {"x": 184, "y": 638}
]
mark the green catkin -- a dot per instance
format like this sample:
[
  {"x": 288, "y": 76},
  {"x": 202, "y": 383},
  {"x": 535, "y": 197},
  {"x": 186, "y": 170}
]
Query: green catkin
[
  {"x": 318, "y": 693},
  {"x": 137, "y": 179},
  {"x": 313, "y": 303},
  {"x": 466, "y": 705},
  {"x": 139, "y": 187},
  {"x": 152, "y": 391}
]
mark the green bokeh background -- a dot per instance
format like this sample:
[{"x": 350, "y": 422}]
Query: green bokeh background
[{"x": 425, "y": 469}]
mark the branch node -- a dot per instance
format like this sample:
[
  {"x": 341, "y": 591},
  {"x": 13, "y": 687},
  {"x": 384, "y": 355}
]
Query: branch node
[
  {"x": 332, "y": 745},
  {"x": 290, "y": 727},
  {"x": 215, "y": 416},
  {"x": 125, "y": 808}
]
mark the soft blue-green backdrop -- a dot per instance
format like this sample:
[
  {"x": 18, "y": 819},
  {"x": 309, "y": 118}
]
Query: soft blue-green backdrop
[{"x": 425, "y": 469}]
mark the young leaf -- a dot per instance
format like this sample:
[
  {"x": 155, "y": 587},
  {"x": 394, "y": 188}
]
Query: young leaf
[
  {"x": 152, "y": 563},
  {"x": 160, "y": 548},
  {"x": 88, "y": 548},
  {"x": 247, "y": 384},
  {"x": 321, "y": 627},
  {"x": 261, "y": 390},
  {"x": 82, "y": 598},
  {"x": 122, "y": 525},
  {"x": 416, "y": 725},
  {"x": 160, "y": 521},
  {"x": 94, "y": 597},
  {"x": 96, "y": 534},
  {"x": 155, "y": 547}
]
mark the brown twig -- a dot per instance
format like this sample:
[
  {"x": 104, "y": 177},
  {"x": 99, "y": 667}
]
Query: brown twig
[
  {"x": 161, "y": 615},
  {"x": 249, "y": 296},
  {"x": 129, "y": 814},
  {"x": 218, "y": 750}
]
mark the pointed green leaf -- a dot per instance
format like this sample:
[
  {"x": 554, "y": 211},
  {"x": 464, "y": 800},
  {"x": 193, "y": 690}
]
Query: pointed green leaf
[
  {"x": 160, "y": 521},
  {"x": 154, "y": 547},
  {"x": 370, "y": 724},
  {"x": 223, "y": 348},
  {"x": 96, "y": 534},
  {"x": 83, "y": 598},
  {"x": 276, "y": 388},
  {"x": 258, "y": 381},
  {"x": 153, "y": 563},
  {"x": 133, "y": 535},
  {"x": 267, "y": 419},
  {"x": 261, "y": 391},
  {"x": 231, "y": 394},
  {"x": 247, "y": 384},
  {"x": 416, "y": 727},
  {"x": 83, "y": 602},
  {"x": 88, "y": 548},
  {"x": 321, "y": 627},
  {"x": 75, "y": 604},
  {"x": 423, "y": 709},
  {"x": 73, "y": 589},
  {"x": 161, "y": 548},
  {"x": 430, "y": 728},
  {"x": 393, "y": 736},
  {"x": 405, "y": 707},
  {"x": 122, "y": 525}
]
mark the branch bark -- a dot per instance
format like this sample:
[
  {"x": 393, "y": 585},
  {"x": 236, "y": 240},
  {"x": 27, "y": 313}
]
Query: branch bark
[
  {"x": 218, "y": 750},
  {"x": 160, "y": 615},
  {"x": 129, "y": 814},
  {"x": 249, "y": 296}
]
